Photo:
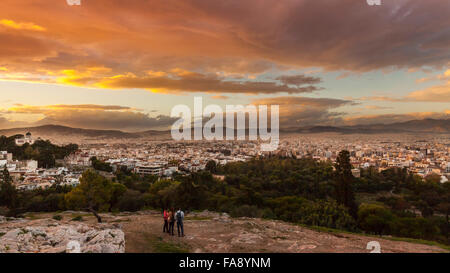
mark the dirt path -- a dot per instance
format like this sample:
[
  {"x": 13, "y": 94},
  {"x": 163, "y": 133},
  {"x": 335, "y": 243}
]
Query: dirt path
[{"x": 210, "y": 233}]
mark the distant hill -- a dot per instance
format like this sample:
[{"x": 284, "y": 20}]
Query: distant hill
[
  {"x": 63, "y": 130},
  {"x": 425, "y": 125},
  {"x": 438, "y": 126},
  {"x": 50, "y": 130},
  {"x": 64, "y": 134}
]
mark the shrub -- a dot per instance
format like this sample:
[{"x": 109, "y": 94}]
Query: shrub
[
  {"x": 375, "y": 219},
  {"x": 246, "y": 211},
  {"x": 131, "y": 201},
  {"x": 327, "y": 214},
  {"x": 78, "y": 218}
]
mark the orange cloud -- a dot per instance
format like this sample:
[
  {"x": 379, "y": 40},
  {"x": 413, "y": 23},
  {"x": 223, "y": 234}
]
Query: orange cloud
[
  {"x": 212, "y": 36},
  {"x": 28, "y": 109},
  {"x": 196, "y": 82},
  {"x": 305, "y": 111},
  {"x": 21, "y": 25},
  {"x": 220, "y": 97},
  {"x": 439, "y": 93}
]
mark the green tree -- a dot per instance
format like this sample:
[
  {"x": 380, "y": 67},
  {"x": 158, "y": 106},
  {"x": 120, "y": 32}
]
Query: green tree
[
  {"x": 164, "y": 193},
  {"x": 131, "y": 201},
  {"x": 8, "y": 192},
  {"x": 375, "y": 219},
  {"x": 100, "y": 165},
  {"x": 211, "y": 166},
  {"x": 95, "y": 193},
  {"x": 118, "y": 190},
  {"x": 343, "y": 178}
]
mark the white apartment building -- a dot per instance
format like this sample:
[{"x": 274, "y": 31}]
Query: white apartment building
[
  {"x": 4, "y": 155},
  {"x": 26, "y": 139},
  {"x": 148, "y": 169}
]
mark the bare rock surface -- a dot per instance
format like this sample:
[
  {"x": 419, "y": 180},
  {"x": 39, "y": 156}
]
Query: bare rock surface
[{"x": 51, "y": 236}]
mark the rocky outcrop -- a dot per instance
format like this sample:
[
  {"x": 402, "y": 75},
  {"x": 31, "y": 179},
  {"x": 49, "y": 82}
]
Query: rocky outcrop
[
  {"x": 49, "y": 236},
  {"x": 215, "y": 216}
]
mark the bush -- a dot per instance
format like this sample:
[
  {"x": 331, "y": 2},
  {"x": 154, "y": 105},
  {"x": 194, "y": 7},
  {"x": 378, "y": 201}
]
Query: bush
[
  {"x": 57, "y": 217},
  {"x": 288, "y": 208},
  {"x": 327, "y": 214},
  {"x": 246, "y": 211},
  {"x": 131, "y": 201},
  {"x": 267, "y": 213},
  {"x": 375, "y": 219},
  {"x": 78, "y": 218}
]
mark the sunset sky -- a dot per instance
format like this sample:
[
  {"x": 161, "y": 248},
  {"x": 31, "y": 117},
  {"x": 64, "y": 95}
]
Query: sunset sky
[{"x": 123, "y": 64}]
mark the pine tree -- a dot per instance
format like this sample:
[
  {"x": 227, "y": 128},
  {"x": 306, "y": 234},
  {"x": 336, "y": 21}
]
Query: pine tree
[
  {"x": 343, "y": 179},
  {"x": 8, "y": 193}
]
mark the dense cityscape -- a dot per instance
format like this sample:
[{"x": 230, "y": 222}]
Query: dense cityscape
[{"x": 422, "y": 155}]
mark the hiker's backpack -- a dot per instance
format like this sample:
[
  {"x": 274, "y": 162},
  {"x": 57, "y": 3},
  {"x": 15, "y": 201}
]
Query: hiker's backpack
[{"x": 179, "y": 216}]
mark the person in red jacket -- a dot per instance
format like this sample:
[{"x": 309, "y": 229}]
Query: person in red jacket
[{"x": 166, "y": 221}]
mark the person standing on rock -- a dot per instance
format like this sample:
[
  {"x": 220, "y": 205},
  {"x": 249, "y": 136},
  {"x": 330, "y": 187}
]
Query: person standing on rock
[
  {"x": 171, "y": 221},
  {"x": 180, "y": 218},
  {"x": 166, "y": 221}
]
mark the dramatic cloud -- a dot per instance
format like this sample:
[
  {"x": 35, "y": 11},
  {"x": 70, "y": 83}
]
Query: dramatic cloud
[
  {"x": 220, "y": 48},
  {"x": 15, "y": 48},
  {"x": 298, "y": 80},
  {"x": 92, "y": 116},
  {"x": 249, "y": 36},
  {"x": 304, "y": 111},
  {"x": 325, "y": 103},
  {"x": 196, "y": 82},
  {"x": 27, "y": 109}
]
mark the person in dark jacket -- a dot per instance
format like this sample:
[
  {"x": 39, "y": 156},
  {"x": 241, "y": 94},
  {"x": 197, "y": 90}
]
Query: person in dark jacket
[
  {"x": 171, "y": 221},
  {"x": 180, "y": 217}
]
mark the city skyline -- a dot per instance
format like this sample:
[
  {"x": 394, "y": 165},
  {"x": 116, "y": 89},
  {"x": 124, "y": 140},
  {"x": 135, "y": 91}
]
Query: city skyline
[{"x": 126, "y": 64}]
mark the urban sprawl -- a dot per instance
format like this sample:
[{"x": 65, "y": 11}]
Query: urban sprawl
[{"x": 421, "y": 155}]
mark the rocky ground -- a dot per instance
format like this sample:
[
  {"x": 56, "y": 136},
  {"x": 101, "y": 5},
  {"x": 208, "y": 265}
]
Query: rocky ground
[
  {"x": 206, "y": 232},
  {"x": 52, "y": 236}
]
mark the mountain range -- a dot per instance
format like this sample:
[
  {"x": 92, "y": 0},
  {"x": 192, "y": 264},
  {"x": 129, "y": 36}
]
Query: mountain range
[{"x": 436, "y": 126}]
